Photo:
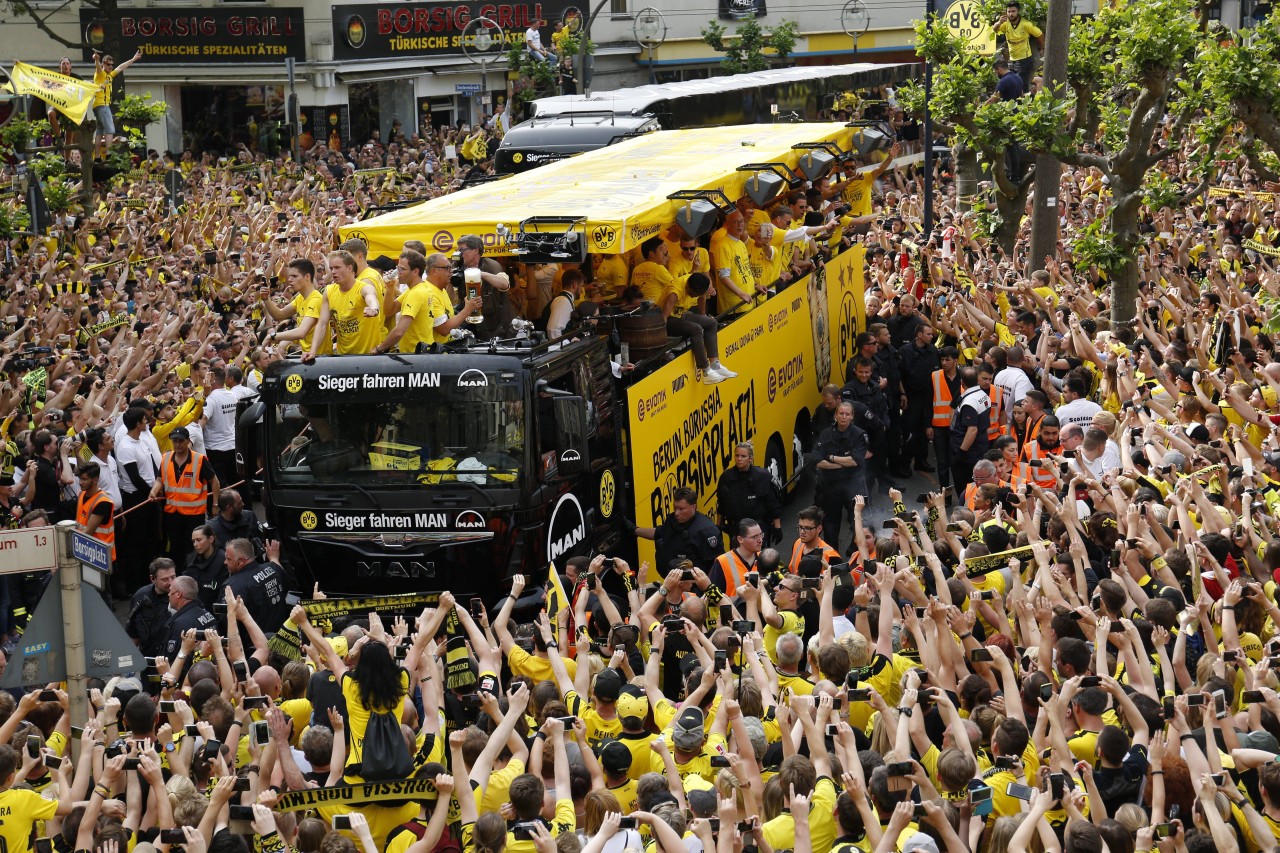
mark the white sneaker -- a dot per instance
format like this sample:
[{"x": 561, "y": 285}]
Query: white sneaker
[
  {"x": 722, "y": 370},
  {"x": 711, "y": 376}
]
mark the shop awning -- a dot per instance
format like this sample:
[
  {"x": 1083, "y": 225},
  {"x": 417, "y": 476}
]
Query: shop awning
[{"x": 620, "y": 191}]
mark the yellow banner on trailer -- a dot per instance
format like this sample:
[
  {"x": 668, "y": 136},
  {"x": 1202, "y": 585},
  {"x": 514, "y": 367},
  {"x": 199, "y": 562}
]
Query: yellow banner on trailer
[
  {"x": 682, "y": 432},
  {"x": 621, "y": 190}
]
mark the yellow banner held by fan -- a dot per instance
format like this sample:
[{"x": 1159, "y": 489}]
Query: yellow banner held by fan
[{"x": 67, "y": 95}]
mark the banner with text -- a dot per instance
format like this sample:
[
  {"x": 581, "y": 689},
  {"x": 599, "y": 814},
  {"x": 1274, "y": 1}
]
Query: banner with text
[
  {"x": 382, "y": 30},
  {"x": 198, "y": 35}
]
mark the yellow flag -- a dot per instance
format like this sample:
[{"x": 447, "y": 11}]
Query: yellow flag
[
  {"x": 556, "y": 598},
  {"x": 67, "y": 95}
]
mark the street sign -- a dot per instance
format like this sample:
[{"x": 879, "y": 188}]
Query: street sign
[
  {"x": 965, "y": 20},
  {"x": 93, "y": 553},
  {"x": 467, "y": 88},
  {"x": 29, "y": 550},
  {"x": 40, "y": 656}
]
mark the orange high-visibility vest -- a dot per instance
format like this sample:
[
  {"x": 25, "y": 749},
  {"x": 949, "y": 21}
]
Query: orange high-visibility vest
[
  {"x": 996, "y": 394},
  {"x": 1042, "y": 477},
  {"x": 186, "y": 494},
  {"x": 828, "y": 554},
  {"x": 941, "y": 401},
  {"x": 106, "y": 534},
  {"x": 735, "y": 571}
]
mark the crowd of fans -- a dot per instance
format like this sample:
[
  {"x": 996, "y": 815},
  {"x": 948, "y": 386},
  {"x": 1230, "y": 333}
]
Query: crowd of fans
[{"x": 1070, "y": 645}]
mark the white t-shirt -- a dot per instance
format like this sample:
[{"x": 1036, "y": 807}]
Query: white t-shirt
[
  {"x": 1077, "y": 412},
  {"x": 533, "y": 39},
  {"x": 220, "y": 417},
  {"x": 128, "y": 450},
  {"x": 109, "y": 478},
  {"x": 1015, "y": 384}
]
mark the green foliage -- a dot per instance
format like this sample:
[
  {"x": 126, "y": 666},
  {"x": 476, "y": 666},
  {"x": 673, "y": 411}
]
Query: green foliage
[
  {"x": 745, "y": 50},
  {"x": 1035, "y": 11},
  {"x": 13, "y": 218},
  {"x": 936, "y": 44},
  {"x": 49, "y": 165},
  {"x": 139, "y": 110},
  {"x": 1271, "y": 310},
  {"x": 19, "y": 133},
  {"x": 1159, "y": 191},
  {"x": 572, "y": 46},
  {"x": 59, "y": 194},
  {"x": 1097, "y": 246}
]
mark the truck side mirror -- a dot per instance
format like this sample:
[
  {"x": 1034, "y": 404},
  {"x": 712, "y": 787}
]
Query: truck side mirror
[{"x": 571, "y": 435}]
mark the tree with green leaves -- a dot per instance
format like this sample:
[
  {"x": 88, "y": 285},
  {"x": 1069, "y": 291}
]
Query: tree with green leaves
[
  {"x": 1138, "y": 95},
  {"x": 745, "y": 49}
]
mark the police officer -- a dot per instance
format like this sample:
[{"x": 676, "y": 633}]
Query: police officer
[
  {"x": 261, "y": 586},
  {"x": 188, "y": 613},
  {"x": 919, "y": 359},
  {"x": 747, "y": 491},
  {"x": 841, "y": 454},
  {"x": 684, "y": 534}
]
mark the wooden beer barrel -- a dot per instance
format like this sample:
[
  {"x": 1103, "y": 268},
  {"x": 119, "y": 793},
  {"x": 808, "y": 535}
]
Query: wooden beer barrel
[{"x": 645, "y": 333}]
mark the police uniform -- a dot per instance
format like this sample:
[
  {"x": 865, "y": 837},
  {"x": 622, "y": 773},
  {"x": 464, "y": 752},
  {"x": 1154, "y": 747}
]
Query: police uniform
[
  {"x": 698, "y": 541},
  {"x": 748, "y": 494}
]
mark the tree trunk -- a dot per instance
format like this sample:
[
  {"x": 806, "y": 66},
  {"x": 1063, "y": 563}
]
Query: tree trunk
[
  {"x": 966, "y": 175},
  {"x": 1011, "y": 209},
  {"x": 1124, "y": 225}
]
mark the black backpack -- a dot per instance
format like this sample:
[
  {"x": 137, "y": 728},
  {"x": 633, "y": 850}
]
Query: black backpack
[{"x": 384, "y": 755}]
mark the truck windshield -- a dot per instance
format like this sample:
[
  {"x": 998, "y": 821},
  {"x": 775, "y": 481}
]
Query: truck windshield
[{"x": 420, "y": 443}]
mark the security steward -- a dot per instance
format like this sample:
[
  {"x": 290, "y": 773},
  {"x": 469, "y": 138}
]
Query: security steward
[
  {"x": 747, "y": 491},
  {"x": 684, "y": 534},
  {"x": 186, "y": 482},
  {"x": 95, "y": 511},
  {"x": 731, "y": 568},
  {"x": 944, "y": 388}
]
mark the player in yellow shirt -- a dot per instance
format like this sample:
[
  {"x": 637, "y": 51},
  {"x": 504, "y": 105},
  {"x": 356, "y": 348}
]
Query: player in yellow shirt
[
  {"x": 682, "y": 296},
  {"x": 351, "y": 308},
  {"x": 365, "y": 272},
  {"x": 304, "y": 307},
  {"x": 779, "y": 613},
  {"x": 651, "y": 275},
  {"x": 423, "y": 316},
  {"x": 1018, "y": 33},
  {"x": 686, "y": 256},
  {"x": 735, "y": 284}
]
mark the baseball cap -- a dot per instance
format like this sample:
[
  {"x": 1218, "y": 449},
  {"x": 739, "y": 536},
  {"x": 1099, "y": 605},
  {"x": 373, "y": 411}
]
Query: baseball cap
[
  {"x": 608, "y": 685},
  {"x": 702, "y": 803},
  {"x": 615, "y": 757},
  {"x": 1272, "y": 457},
  {"x": 687, "y": 731},
  {"x": 182, "y": 433},
  {"x": 631, "y": 705},
  {"x": 920, "y": 843}
]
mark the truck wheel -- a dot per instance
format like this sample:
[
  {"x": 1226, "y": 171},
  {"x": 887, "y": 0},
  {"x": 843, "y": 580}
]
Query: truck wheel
[{"x": 775, "y": 462}]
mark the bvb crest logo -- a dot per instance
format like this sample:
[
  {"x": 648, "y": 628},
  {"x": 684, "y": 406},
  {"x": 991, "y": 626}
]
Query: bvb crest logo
[
  {"x": 293, "y": 384},
  {"x": 308, "y": 520},
  {"x": 608, "y": 492}
]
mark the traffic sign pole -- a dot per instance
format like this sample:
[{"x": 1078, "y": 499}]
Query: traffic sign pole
[{"x": 70, "y": 579}]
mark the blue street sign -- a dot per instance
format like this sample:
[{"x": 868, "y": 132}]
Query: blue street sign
[
  {"x": 94, "y": 553},
  {"x": 467, "y": 88}
]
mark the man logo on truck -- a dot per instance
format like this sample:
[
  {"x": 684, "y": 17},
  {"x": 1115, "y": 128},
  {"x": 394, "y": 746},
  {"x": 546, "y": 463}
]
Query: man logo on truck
[
  {"x": 469, "y": 519},
  {"x": 568, "y": 527},
  {"x": 472, "y": 378}
]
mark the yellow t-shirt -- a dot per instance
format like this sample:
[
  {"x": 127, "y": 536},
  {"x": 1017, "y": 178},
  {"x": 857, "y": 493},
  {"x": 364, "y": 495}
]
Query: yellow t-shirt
[
  {"x": 684, "y": 302},
  {"x": 564, "y": 821},
  {"x": 640, "y": 752},
  {"x": 729, "y": 253},
  {"x": 699, "y": 765},
  {"x": 358, "y": 719},
  {"x": 498, "y": 788},
  {"x": 781, "y": 831},
  {"x": 599, "y": 729},
  {"x": 857, "y": 194},
  {"x": 537, "y": 668},
  {"x": 792, "y": 623},
  {"x": 309, "y": 306},
  {"x": 381, "y": 818},
  {"x": 611, "y": 272},
  {"x": 1019, "y": 38},
  {"x": 21, "y": 809},
  {"x": 104, "y": 80},
  {"x": 653, "y": 279},
  {"x": 356, "y": 334},
  {"x": 417, "y": 303},
  {"x": 680, "y": 265},
  {"x": 440, "y": 307}
]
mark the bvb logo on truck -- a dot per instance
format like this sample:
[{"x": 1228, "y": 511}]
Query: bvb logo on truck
[
  {"x": 293, "y": 384},
  {"x": 308, "y": 519},
  {"x": 608, "y": 493},
  {"x": 848, "y": 327}
]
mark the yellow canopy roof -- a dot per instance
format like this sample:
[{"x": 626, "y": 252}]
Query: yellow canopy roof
[{"x": 620, "y": 190}]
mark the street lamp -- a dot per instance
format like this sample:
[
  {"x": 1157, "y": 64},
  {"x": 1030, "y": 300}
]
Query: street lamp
[
  {"x": 480, "y": 37},
  {"x": 650, "y": 30}
]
